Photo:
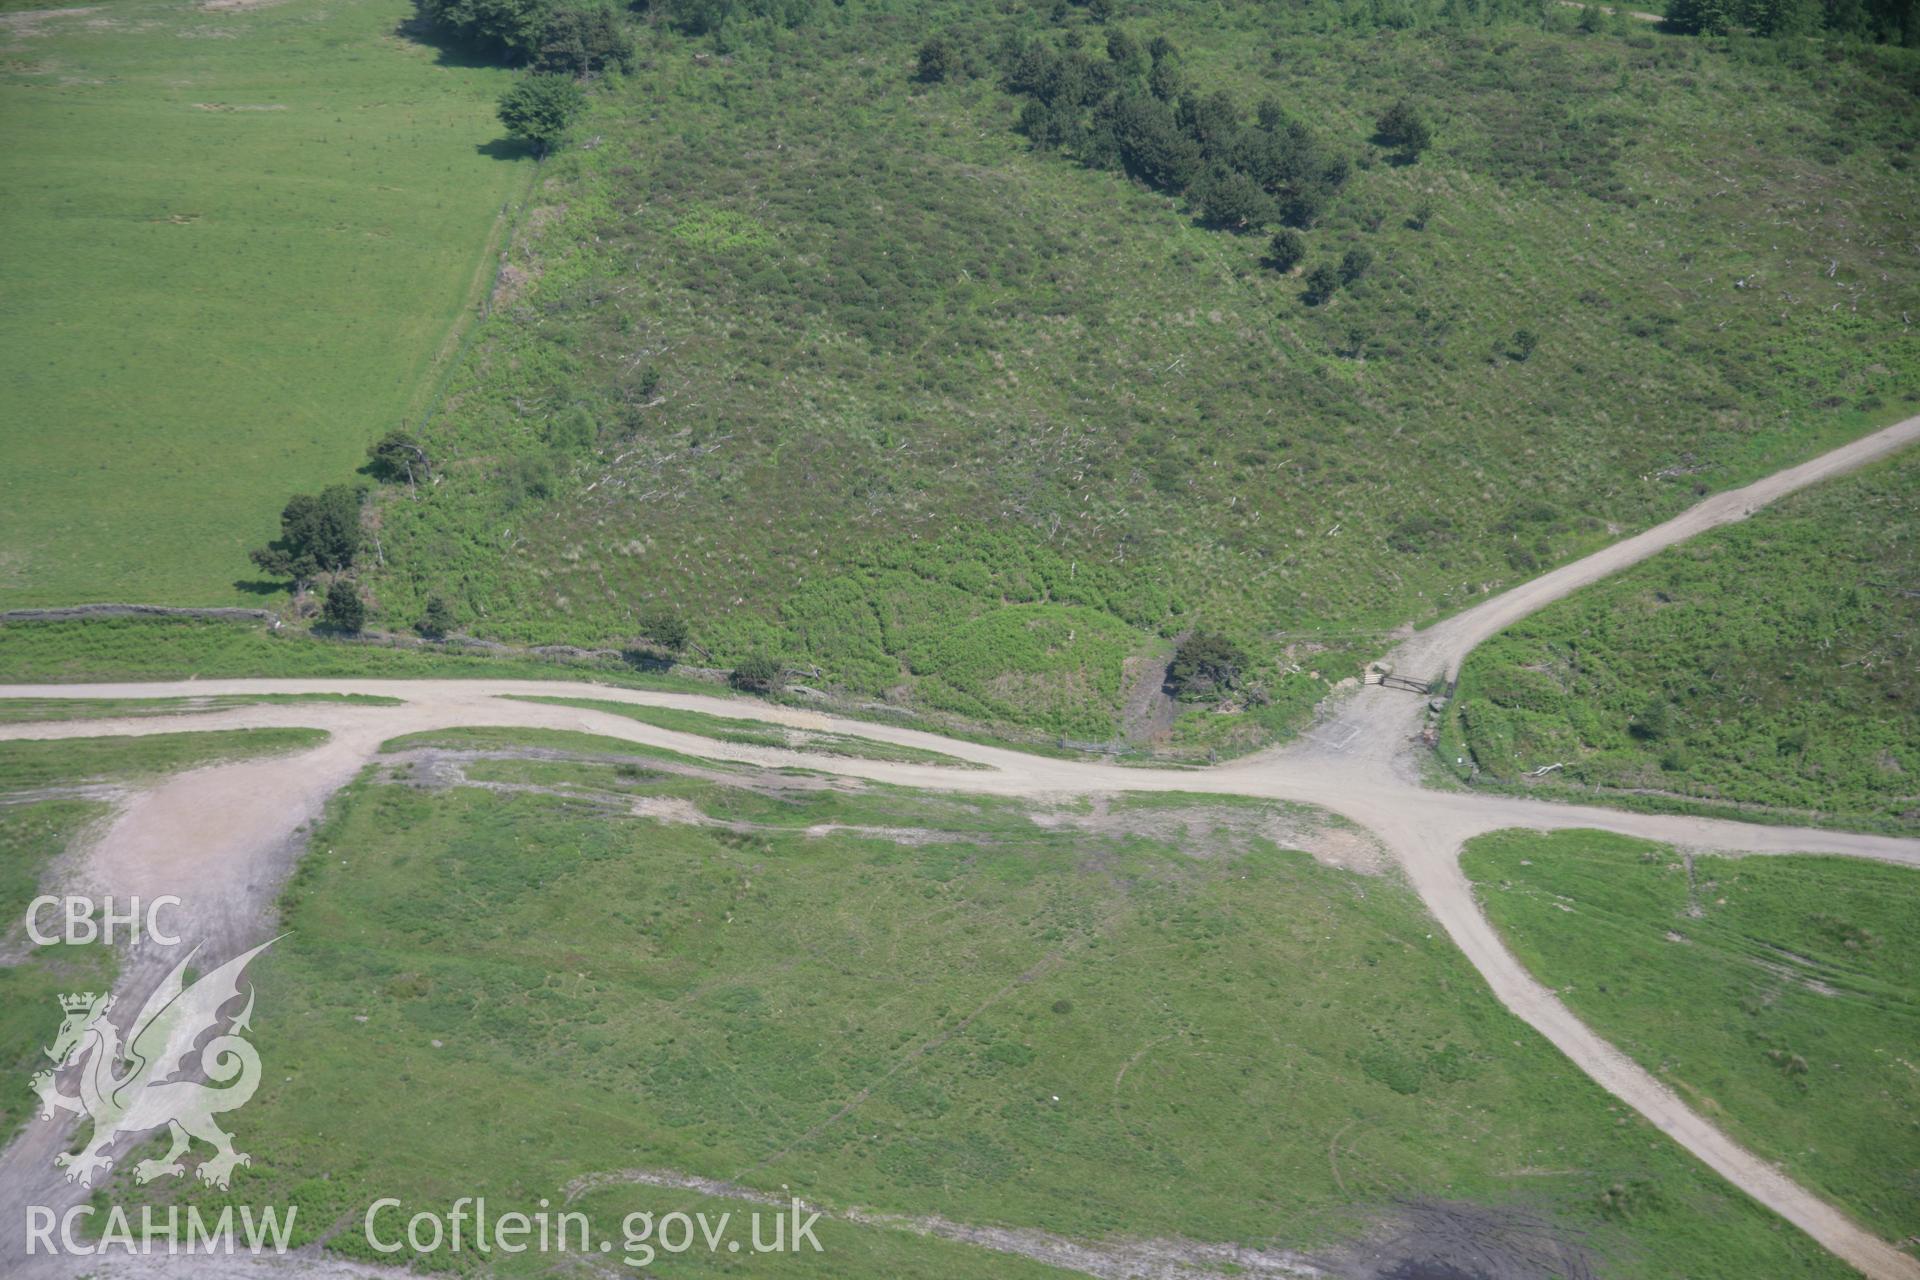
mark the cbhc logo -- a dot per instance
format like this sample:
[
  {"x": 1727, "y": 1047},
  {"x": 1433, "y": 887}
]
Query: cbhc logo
[{"x": 78, "y": 921}]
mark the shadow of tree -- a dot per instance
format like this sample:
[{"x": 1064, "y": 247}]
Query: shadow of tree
[
  {"x": 448, "y": 51},
  {"x": 505, "y": 149},
  {"x": 263, "y": 586}
]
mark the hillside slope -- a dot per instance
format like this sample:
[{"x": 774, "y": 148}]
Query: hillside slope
[
  {"x": 1771, "y": 665},
  {"x": 835, "y": 363}
]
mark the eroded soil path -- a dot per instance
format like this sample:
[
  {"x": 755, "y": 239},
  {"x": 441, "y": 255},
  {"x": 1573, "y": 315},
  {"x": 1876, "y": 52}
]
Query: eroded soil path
[{"x": 223, "y": 838}]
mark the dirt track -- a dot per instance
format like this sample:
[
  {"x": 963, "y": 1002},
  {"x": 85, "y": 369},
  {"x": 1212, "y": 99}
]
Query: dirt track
[{"x": 224, "y": 837}]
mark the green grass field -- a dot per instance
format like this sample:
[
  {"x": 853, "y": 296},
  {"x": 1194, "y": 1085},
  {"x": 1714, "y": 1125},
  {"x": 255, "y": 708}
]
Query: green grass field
[
  {"x": 1771, "y": 667},
  {"x": 31, "y": 836},
  {"x": 837, "y": 364},
  {"x": 37, "y": 762},
  {"x": 1778, "y": 996},
  {"x": 616, "y": 993},
  {"x": 182, "y": 648},
  {"x": 238, "y": 239},
  {"x": 68, "y": 652},
  {"x": 29, "y": 710},
  {"x": 757, "y": 733}
]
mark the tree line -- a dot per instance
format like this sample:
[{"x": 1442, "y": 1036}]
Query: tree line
[
  {"x": 1133, "y": 110},
  {"x": 1885, "y": 21},
  {"x": 564, "y": 44},
  {"x": 322, "y": 537},
  {"x": 561, "y": 43},
  {"x": 579, "y": 38}
]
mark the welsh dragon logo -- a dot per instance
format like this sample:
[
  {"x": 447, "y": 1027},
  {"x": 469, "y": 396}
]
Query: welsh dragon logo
[{"x": 132, "y": 1088}]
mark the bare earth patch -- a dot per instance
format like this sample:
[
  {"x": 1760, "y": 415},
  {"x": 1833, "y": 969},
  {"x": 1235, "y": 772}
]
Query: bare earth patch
[
  {"x": 516, "y": 276},
  {"x": 1437, "y": 1240},
  {"x": 439, "y": 770},
  {"x": 1157, "y": 1259},
  {"x": 1149, "y": 709},
  {"x": 1331, "y": 841},
  {"x": 508, "y": 286},
  {"x": 28, "y": 22}
]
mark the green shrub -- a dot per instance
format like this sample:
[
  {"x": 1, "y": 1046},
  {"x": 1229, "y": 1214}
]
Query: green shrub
[
  {"x": 585, "y": 40},
  {"x": 1403, "y": 127},
  {"x": 399, "y": 455},
  {"x": 1205, "y": 665},
  {"x": 505, "y": 29},
  {"x": 758, "y": 673},
  {"x": 935, "y": 61},
  {"x": 1229, "y": 198},
  {"x": 1286, "y": 249},
  {"x": 1322, "y": 283},
  {"x": 438, "y": 619},
  {"x": 665, "y": 627},
  {"x": 319, "y": 533},
  {"x": 540, "y": 107},
  {"x": 344, "y": 610}
]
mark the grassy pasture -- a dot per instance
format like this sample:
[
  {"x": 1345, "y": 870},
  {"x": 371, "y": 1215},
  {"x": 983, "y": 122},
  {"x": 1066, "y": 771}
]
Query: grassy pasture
[
  {"x": 835, "y": 363},
  {"x": 31, "y": 836},
  {"x": 238, "y": 239},
  {"x": 28, "y": 710},
  {"x": 1771, "y": 667},
  {"x": 180, "y": 648},
  {"x": 1780, "y": 996},
  {"x": 617, "y": 993},
  {"x": 42, "y": 762},
  {"x": 756, "y": 733}
]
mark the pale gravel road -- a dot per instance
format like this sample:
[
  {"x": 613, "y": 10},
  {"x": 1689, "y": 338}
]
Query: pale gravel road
[{"x": 225, "y": 836}]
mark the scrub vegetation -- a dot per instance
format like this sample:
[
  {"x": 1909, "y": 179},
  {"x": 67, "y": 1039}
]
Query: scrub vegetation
[
  {"x": 942, "y": 354},
  {"x": 1770, "y": 668},
  {"x": 815, "y": 347}
]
